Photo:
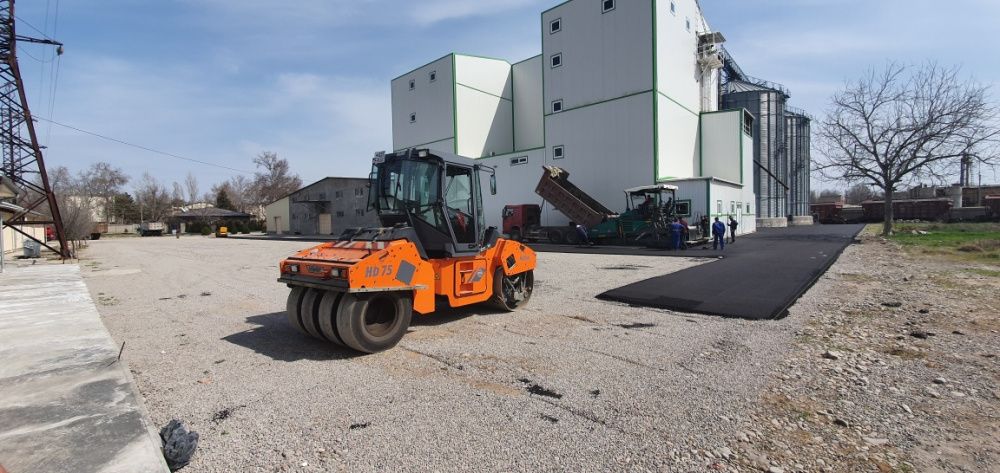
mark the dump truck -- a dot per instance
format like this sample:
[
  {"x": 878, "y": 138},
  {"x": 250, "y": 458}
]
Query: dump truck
[
  {"x": 523, "y": 222},
  {"x": 647, "y": 208},
  {"x": 151, "y": 229},
  {"x": 432, "y": 251}
]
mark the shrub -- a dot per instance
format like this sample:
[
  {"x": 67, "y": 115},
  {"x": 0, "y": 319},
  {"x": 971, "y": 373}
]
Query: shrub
[{"x": 206, "y": 231}]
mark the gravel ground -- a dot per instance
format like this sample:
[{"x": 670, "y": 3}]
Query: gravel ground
[
  {"x": 568, "y": 383},
  {"x": 894, "y": 370}
]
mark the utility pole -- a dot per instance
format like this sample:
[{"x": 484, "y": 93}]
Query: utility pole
[{"x": 22, "y": 155}]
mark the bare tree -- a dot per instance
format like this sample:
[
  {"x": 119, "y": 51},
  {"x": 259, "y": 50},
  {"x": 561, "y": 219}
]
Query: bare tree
[
  {"x": 191, "y": 183},
  {"x": 274, "y": 179},
  {"x": 239, "y": 192},
  {"x": 74, "y": 205},
  {"x": 177, "y": 196},
  {"x": 153, "y": 199},
  {"x": 858, "y": 193},
  {"x": 103, "y": 181},
  {"x": 902, "y": 124}
]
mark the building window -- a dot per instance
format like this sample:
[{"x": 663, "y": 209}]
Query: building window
[
  {"x": 748, "y": 209},
  {"x": 340, "y": 213},
  {"x": 683, "y": 208},
  {"x": 718, "y": 207},
  {"x": 556, "y": 60},
  {"x": 359, "y": 212},
  {"x": 434, "y": 76},
  {"x": 673, "y": 8},
  {"x": 413, "y": 118},
  {"x": 359, "y": 192},
  {"x": 519, "y": 161},
  {"x": 556, "y": 106},
  {"x": 558, "y": 152},
  {"x": 607, "y": 5},
  {"x": 338, "y": 194},
  {"x": 555, "y": 26},
  {"x": 687, "y": 21},
  {"x": 732, "y": 207},
  {"x": 413, "y": 84}
]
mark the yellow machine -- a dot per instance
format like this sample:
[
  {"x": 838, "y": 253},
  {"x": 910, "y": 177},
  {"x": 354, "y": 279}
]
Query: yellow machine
[
  {"x": 433, "y": 248},
  {"x": 222, "y": 232}
]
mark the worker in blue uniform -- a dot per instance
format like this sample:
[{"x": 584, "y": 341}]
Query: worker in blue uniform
[
  {"x": 676, "y": 230},
  {"x": 719, "y": 235}
]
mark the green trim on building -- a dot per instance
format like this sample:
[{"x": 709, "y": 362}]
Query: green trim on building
[
  {"x": 545, "y": 135},
  {"x": 454, "y": 101},
  {"x": 692, "y": 112},
  {"x": 739, "y": 142},
  {"x": 487, "y": 93},
  {"x": 598, "y": 103},
  {"x": 513, "y": 110},
  {"x": 722, "y": 111},
  {"x": 411, "y": 71},
  {"x": 656, "y": 103},
  {"x": 689, "y": 205},
  {"x": 526, "y": 60},
  {"x": 483, "y": 57}
]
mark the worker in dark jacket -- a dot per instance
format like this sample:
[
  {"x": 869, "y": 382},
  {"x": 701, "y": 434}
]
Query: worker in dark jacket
[
  {"x": 719, "y": 235},
  {"x": 732, "y": 229},
  {"x": 705, "y": 225}
]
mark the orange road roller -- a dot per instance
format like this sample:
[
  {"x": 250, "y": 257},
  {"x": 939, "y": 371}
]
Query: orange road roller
[{"x": 433, "y": 248}]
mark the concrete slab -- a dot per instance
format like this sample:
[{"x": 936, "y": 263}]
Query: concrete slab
[{"x": 66, "y": 403}]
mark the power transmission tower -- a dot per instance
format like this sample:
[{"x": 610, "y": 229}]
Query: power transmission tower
[{"x": 22, "y": 156}]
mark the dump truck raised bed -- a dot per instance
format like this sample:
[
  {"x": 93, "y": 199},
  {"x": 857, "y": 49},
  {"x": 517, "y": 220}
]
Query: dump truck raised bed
[
  {"x": 433, "y": 249},
  {"x": 648, "y": 210}
]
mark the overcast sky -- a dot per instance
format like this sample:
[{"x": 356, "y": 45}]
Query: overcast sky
[{"x": 222, "y": 80}]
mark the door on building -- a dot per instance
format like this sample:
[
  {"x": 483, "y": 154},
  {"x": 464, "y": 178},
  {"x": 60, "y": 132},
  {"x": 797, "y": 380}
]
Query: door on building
[
  {"x": 325, "y": 224},
  {"x": 277, "y": 225}
]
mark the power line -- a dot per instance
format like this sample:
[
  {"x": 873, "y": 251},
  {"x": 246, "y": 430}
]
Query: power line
[
  {"x": 144, "y": 148},
  {"x": 33, "y": 27}
]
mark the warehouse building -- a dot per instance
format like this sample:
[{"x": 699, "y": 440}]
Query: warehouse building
[
  {"x": 326, "y": 207},
  {"x": 625, "y": 93}
]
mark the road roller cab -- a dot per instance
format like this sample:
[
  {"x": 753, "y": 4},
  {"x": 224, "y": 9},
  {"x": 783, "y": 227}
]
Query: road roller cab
[{"x": 432, "y": 249}]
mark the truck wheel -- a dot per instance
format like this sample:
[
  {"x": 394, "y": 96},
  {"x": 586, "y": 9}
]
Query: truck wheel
[
  {"x": 374, "y": 322},
  {"x": 293, "y": 308},
  {"x": 555, "y": 236},
  {"x": 515, "y": 234},
  {"x": 572, "y": 237},
  {"x": 310, "y": 312},
  {"x": 328, "y": 309},
  {"x": 511, "y": 292}
]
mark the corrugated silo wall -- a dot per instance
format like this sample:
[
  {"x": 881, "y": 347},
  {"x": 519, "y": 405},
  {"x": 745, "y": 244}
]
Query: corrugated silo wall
[
  {"x": 768, "y": 107},
  {"x": 797, "y": 129}
]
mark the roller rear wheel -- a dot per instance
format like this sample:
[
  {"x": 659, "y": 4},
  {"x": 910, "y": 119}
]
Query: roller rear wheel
[
  {"x": 374, "y": 322},
  {"x": 310, "y": 312},
  {"x": 328, "y": 310},
  {"x": 511, "y": 292},
  {"x": 293, "y": 308}
]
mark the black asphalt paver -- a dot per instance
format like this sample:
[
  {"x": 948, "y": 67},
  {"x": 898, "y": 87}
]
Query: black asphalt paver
[{"x": 760, "y": 276}]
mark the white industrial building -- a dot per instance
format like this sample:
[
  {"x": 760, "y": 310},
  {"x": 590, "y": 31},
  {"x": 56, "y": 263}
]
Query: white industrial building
[{"x": 625, "y": 93}]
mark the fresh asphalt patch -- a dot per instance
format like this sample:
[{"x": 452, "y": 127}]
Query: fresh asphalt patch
[{"x": 761, "y": 276}]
